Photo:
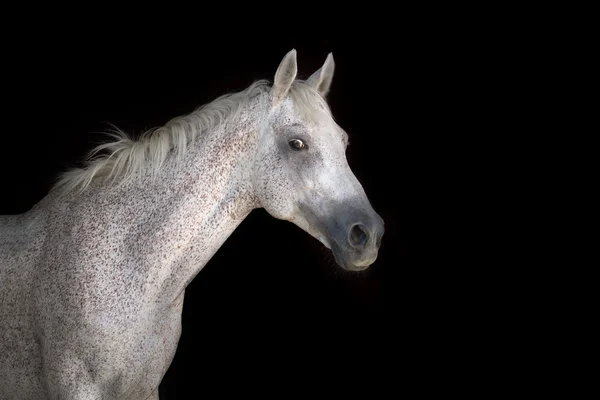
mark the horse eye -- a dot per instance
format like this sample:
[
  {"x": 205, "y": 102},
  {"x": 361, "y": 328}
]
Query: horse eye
[{"x": 297, "y": 144}]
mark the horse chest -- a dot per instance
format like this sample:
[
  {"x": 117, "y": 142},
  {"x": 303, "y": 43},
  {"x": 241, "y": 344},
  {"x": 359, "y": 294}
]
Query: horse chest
[{"x": 148, "y": 349}]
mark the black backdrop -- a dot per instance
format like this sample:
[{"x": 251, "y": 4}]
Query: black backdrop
[{"x": 271, "y": 299}]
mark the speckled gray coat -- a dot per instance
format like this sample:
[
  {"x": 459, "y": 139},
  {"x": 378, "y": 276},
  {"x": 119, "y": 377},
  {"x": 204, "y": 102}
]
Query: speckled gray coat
[{"x": 92, "y": 278}]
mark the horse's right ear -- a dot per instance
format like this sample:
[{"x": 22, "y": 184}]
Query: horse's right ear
[
  {"x": 321, "y": 79},
  {"x": 285, "y": 75}
]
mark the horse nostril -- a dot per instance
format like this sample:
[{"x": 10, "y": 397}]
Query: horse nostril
[{"x": 358, "y": 236}]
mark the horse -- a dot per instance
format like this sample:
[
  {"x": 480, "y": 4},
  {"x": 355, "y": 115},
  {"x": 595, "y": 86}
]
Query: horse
[{"x": 93, "y": 276}]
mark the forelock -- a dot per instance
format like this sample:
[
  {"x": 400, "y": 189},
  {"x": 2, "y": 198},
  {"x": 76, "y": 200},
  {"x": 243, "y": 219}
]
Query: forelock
[{"x": 308, "y": 102}]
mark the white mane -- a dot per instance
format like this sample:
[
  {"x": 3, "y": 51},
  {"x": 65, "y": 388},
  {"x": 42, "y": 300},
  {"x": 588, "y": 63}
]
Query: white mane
[{"x": 127, "y": 156}]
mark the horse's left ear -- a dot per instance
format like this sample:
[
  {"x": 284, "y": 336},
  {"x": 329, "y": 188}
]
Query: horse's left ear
[
  {"x": 321, "y": 79},
  {"x": 284, "y": 77}
]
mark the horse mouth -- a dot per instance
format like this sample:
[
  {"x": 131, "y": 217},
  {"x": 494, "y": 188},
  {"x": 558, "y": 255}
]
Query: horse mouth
[{"x": 343, "y": 259}]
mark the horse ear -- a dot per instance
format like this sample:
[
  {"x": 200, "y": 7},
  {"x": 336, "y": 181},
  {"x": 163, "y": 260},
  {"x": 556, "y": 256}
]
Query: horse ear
[
  {"x": 321, "y": 79},
  {"x": 285, "y": 75}
]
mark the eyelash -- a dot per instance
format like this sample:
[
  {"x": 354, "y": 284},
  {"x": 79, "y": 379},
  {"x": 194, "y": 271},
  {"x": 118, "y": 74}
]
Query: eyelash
[
  {"x": 299, "y": 144},
  {"x": 294, "y": 143}
]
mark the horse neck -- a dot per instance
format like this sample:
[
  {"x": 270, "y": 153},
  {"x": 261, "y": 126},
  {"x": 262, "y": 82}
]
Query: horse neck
[{"x": 195, "y": 204}]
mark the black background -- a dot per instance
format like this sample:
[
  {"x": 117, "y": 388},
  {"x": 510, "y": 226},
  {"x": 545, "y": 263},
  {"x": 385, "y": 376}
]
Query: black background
[{"x": 271, "y": 307}]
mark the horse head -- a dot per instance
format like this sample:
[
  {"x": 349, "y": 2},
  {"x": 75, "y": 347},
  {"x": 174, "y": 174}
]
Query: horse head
[{"x": 301, "y": 173}]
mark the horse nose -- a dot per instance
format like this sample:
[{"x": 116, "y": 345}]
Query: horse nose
[{"x": 360, "y": 236}]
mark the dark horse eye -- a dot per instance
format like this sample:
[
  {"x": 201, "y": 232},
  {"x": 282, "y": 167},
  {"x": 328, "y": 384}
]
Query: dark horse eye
[{"x": 297, "y": 144}]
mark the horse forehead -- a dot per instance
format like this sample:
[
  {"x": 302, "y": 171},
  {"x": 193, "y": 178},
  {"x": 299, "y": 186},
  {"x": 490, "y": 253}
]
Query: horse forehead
[
  {"x": 307, "y": 110},
  {"x": 316, "y": 121},
  {"x": 322, "y": 130},
  {"x": 326, "y": 128}
]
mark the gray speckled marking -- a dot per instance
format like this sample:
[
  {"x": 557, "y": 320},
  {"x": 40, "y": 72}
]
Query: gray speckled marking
[{"x": 92, "y": 281}]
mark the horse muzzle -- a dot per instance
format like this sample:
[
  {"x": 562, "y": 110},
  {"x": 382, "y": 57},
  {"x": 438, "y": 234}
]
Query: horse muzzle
[{"x": 356, "y": 246}]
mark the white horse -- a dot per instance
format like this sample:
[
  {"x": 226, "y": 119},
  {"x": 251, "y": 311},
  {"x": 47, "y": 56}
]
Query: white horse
[{"x": 92, "y": 278}]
